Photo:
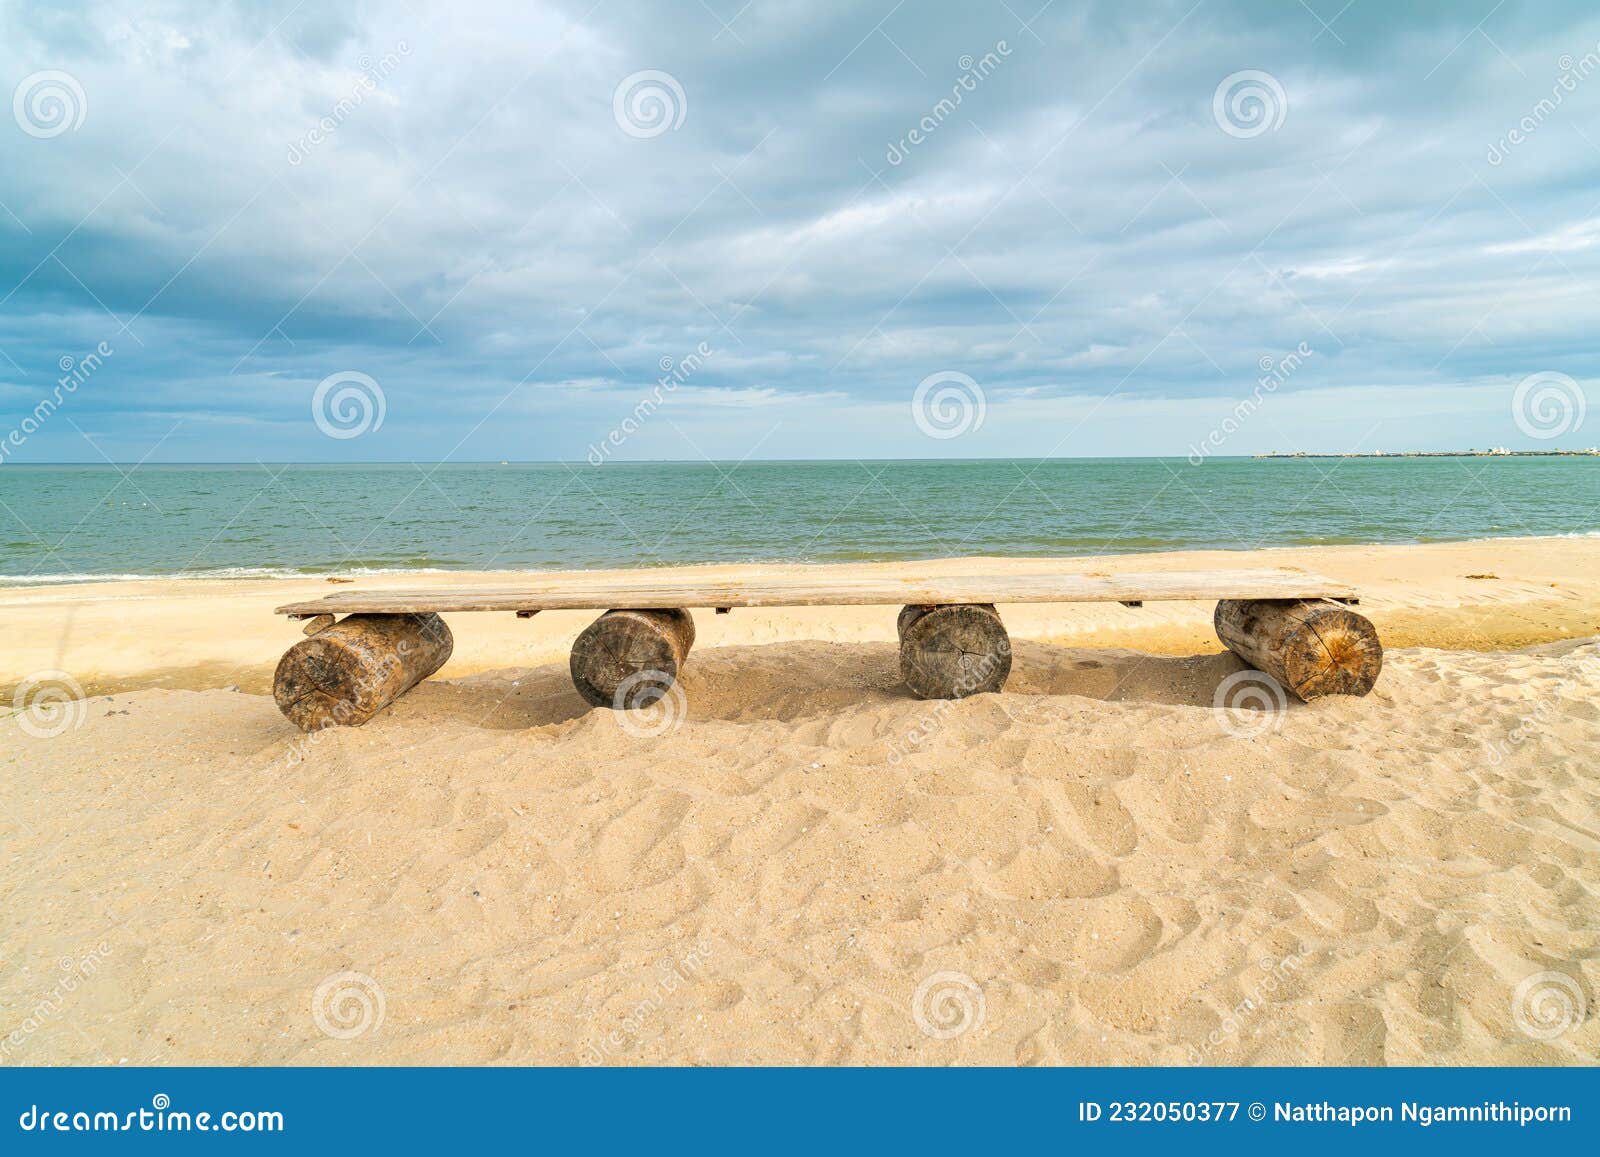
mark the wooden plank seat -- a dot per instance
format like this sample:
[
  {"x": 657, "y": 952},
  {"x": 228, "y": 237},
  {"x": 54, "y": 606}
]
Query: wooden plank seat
[{"x": 1296, "y": 627}]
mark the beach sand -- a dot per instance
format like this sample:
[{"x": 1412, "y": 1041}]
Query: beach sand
[{"x": 1097, "y": 866}]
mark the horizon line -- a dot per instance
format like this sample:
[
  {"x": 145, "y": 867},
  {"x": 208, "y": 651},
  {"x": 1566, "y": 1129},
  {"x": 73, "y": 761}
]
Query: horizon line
[{"x": 1267, "y": 456}]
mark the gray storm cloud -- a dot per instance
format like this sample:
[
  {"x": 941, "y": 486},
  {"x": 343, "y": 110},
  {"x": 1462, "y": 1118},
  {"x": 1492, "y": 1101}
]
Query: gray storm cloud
[{"x": 512, "y": 217}]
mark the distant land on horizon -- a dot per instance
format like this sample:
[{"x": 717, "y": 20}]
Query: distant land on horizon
[{"x": 1495, "y": 452}]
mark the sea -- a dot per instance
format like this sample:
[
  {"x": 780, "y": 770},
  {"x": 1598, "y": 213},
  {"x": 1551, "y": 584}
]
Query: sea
[{"x": 69, "y": 523}]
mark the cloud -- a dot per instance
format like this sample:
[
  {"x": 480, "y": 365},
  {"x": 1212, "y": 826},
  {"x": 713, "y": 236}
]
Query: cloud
[
  {"x": 1569, "y": 239},
  {"x": 259, "y": 196}
]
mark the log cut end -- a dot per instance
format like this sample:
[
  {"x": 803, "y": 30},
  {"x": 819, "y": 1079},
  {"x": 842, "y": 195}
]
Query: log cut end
[
  {"x": 952, "y": 651},
  {"x": 345, "y": 674},
  {"x": 1313, "y": 648},
  {"x": 631, "y": 658}
]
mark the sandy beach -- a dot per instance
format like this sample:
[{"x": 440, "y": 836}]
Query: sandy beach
[{"x": 1097, "y": 866}]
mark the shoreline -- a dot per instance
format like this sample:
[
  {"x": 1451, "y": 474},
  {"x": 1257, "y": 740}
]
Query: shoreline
[
  {"x": 14, "y": 583},
  {"x": 196, "y": 633}
]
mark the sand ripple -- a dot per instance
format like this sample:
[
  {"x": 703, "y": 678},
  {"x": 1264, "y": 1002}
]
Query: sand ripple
[{"x": 1107, "y": 872}]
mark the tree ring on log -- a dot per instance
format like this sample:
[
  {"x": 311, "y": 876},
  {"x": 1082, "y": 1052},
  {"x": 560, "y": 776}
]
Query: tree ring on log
[
  {"x": 631, "y": 658},
  {"x": 954, "y": 650},
  {"x": 908, "y": 615}
]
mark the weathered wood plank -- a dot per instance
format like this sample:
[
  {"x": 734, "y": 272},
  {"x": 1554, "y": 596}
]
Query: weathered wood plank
[{"x": 555, "y": 591}]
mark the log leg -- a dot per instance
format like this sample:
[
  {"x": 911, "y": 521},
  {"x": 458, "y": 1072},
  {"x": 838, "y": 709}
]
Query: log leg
[
  {"x": 630, "y": 658},
  {"x": 952, "y": 651},
  {"x": 347, "y": 673},
  {"x": 1313, "y": 647}
]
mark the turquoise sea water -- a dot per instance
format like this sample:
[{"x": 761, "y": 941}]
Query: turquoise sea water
[{"x": 64, "y": 522}]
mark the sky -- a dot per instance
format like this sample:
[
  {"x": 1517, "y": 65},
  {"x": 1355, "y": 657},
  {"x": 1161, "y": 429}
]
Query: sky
[{"x": 358, "y": 232}]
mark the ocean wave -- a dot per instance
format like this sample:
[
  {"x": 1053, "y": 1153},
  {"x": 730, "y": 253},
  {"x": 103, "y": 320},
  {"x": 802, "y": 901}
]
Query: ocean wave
[{"x": 223, "y": 572}]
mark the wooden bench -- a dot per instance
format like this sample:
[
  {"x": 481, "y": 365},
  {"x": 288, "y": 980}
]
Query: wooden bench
[{"x": 1296, "y": 627}]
